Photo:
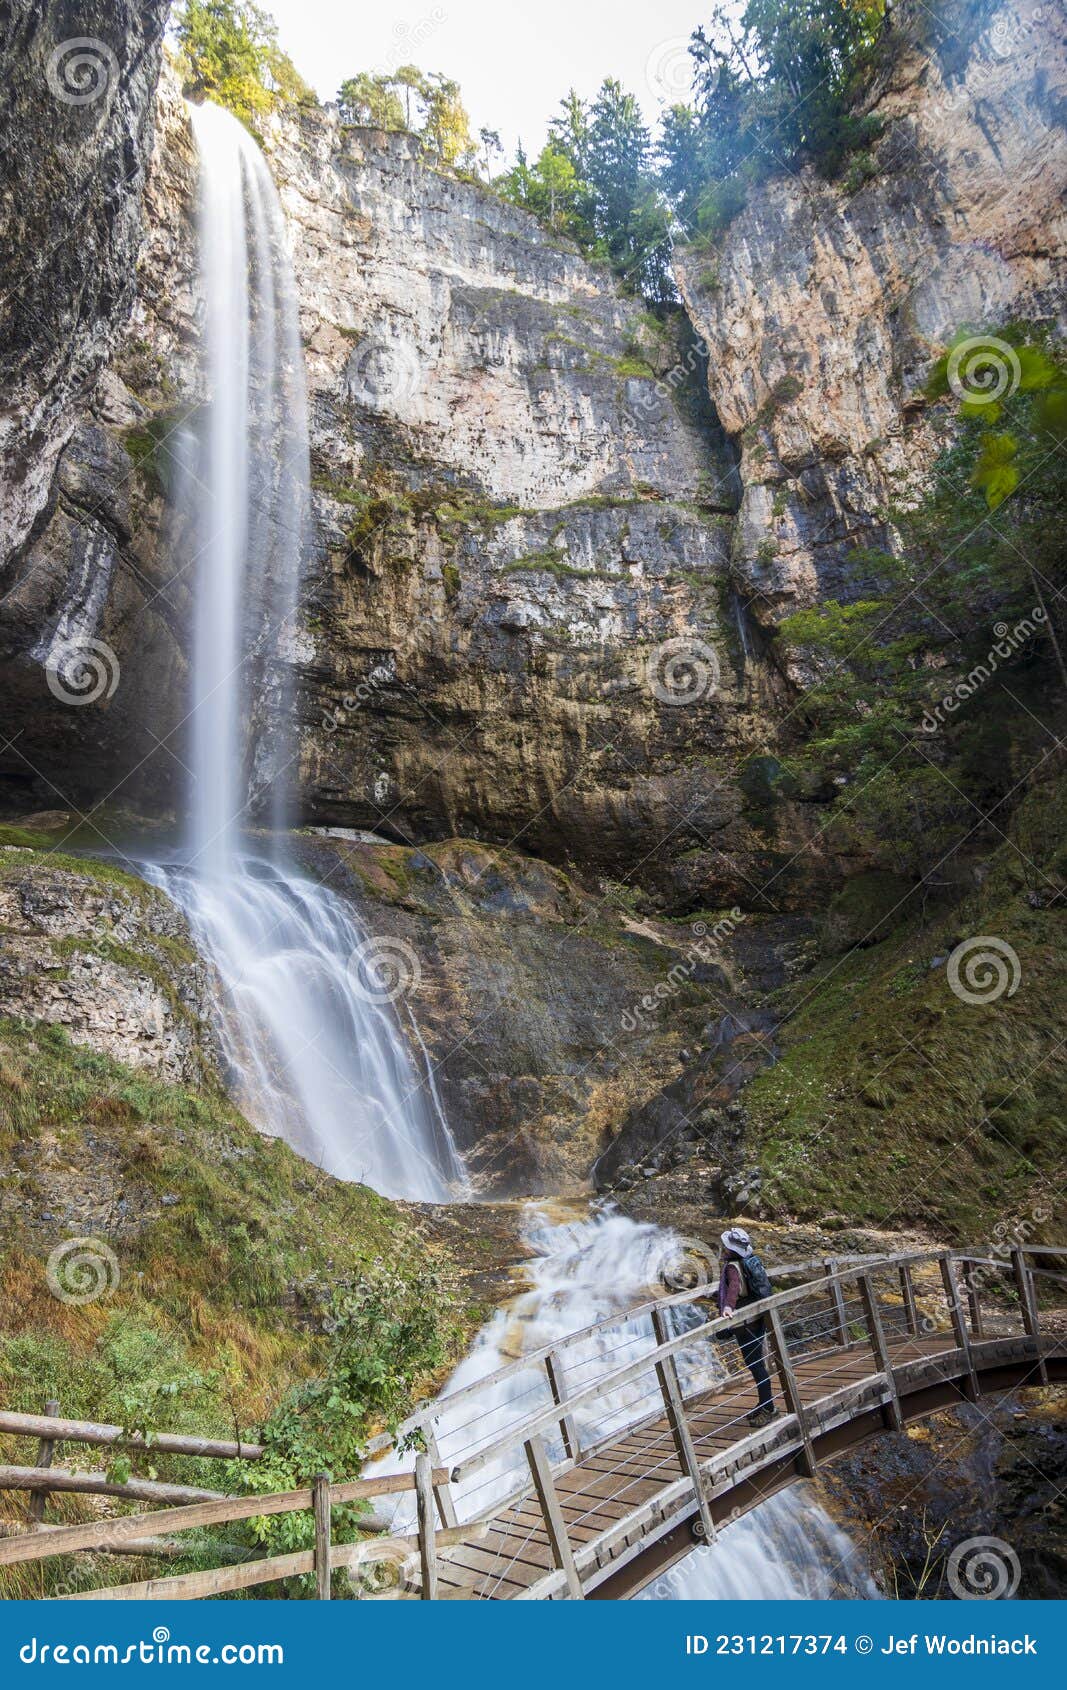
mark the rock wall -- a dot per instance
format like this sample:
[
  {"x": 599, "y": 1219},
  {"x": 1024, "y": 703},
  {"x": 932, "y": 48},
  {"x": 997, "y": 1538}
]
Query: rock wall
[
  {"x": 824, "y": 304},
  {"x": 546, "y": 565},
  {"x": 108, "y": 959},
  {"x": 79, "y": 110}
]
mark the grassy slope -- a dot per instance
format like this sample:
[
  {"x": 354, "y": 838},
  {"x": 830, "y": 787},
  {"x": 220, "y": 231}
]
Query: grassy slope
[
  {"x": 228, "y": 1246},
  {"x": 898, "y": 1103}
]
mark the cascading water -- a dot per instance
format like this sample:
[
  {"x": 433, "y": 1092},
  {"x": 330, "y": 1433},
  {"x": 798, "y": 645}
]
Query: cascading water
[
  {"x": 317, "y": 1057},
  {"x": 586, "y": 1269},
  {"x": 314, "y": 1051}
]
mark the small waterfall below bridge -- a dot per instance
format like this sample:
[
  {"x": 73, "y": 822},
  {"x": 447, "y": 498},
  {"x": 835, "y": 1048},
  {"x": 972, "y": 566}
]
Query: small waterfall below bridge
[
  {"x": 315, "y": 1053},
  {"x": 586, "y": 1267}
]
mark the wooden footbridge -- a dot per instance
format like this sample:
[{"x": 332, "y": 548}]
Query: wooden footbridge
[{"x": 588, "y": 1469}]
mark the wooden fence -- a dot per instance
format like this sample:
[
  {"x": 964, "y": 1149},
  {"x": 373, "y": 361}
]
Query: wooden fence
[{"x": 411, "y": 1559}]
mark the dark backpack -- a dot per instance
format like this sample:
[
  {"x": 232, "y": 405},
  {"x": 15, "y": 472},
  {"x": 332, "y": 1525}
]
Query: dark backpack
[{"x": 755, "y": 1284}]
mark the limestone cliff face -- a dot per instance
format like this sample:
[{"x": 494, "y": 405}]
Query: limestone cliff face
[
  {"x": 545, "y": 565},
  {"x": 824, "y": 304},
  {"x": 107, "y": 959},
  {"x": 79, "y": 97},
  {"x": 518, "y": 621},
  {"x": 522, "y": 497}
]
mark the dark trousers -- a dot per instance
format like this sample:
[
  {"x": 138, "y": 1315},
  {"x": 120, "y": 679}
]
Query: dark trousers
[{"x": 752, "y": 1342}]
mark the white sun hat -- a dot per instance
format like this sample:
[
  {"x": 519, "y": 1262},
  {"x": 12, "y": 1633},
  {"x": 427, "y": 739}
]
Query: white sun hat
[{"x": 736, "y": 1240}]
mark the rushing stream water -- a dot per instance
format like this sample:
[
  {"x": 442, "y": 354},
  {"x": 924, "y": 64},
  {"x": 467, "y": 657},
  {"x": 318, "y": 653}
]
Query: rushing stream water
[{"x": 314, "y": 1051}]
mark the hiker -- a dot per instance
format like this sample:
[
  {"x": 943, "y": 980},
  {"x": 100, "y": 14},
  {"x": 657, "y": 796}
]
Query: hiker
[{"x": 743, "y": 1279}]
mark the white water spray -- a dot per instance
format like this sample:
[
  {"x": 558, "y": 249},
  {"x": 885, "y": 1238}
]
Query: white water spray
[
  {"x": 315, "y": 1057},
  {"x": 584, "y": 1271}
]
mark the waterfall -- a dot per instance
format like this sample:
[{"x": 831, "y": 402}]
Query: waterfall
[
  {"x": 787, "y": 1549},
  {"x": 585, "y": 1269},
  {"x": 313, "y": 1048}
]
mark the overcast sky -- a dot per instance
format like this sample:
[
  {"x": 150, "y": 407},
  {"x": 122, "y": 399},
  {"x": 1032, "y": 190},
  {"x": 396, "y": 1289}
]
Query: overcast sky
[{"x": 513, "y": 59}]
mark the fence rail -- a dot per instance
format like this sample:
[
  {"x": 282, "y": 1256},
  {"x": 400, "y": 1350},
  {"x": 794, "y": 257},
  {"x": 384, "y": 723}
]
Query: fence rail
[{"x": 856, "y": 1332}]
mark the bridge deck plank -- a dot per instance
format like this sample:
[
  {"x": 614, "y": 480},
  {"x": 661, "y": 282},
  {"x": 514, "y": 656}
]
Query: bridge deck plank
[{"x": 607, "y": 1486}]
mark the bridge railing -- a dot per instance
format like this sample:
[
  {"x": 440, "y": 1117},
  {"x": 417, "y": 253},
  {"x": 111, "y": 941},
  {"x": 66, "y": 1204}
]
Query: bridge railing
[{"x": 528, "y": 1422}]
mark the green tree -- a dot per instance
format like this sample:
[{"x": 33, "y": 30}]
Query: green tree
[
  {"x": 371, "y": 101},
  {"x": 231, "y": 52}
]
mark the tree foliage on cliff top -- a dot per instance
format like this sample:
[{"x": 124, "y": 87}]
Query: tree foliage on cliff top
[{"x": 231, "y": 52}]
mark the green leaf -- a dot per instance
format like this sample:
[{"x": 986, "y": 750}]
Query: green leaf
[
  {"x": 1036, "y": 369},
  {"x": 995, "y": 473}
]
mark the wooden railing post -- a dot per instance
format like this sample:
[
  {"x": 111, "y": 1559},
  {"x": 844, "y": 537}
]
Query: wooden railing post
[
  {"x": 791, "y": 1391},
  {"x": 974, "y": 1303},
  {"x": 445, "y": 1506},
  {"x": 552, "y": 1514},
  {"x": 557, "y": 1384},
  {"x": 320, "y": 1502},
  {"x": 907, "y": 1292},
  {"x": 837, "y": 1303},
  {"x": 959, "y": 1326},
  {"x": 1024, "y": 1287},
  {"x": 876, "y": 1333},
  {"x": 45, "y": 1451},
  {"x": 674, "y": 1403},
  {"x": 424, "y": 1502}
]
